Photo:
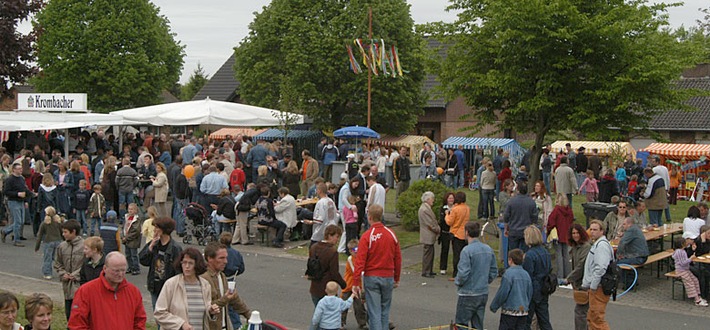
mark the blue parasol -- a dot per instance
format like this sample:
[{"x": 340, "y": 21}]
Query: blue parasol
[{"x": 356, "y": 132}]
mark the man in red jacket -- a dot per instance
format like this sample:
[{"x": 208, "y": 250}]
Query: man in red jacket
[
  {"x": 380, "y": 260},
  {"x": 108, "y": 302}
]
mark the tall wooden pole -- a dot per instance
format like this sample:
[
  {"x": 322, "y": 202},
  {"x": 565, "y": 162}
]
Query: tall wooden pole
[{"x": 369, "y": 70}]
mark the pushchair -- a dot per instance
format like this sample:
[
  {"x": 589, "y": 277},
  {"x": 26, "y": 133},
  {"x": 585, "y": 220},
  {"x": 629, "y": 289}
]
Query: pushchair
[{"x": 198, "y": 225}]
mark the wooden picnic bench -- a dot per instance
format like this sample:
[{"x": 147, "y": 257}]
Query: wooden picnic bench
[{"x": 657, "y": 258}]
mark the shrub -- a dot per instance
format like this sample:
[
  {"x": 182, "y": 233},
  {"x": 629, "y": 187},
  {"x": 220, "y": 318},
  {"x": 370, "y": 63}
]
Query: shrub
[{"x": 409, "y": 202}]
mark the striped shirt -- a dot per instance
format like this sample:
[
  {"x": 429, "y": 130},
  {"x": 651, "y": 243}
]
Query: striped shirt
[{"x": 195, "y": 305}]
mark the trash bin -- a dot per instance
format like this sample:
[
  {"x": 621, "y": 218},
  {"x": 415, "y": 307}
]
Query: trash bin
[
  {"x": 597, "y": 210},
  {"x": 503, "y": 246}
]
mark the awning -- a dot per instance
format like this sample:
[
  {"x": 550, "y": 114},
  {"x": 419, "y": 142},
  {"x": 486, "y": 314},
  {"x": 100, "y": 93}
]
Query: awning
[
  {"x": 33, "y": 121},
  {"x": 222, "y": 133},
  {"x": 678, "y": 150},
  {"x": 415, "y": 143},
  {"x": 603, "y": 147},
  {"x": 273, "y": 134},
  {"x": 469, "y": 143}
]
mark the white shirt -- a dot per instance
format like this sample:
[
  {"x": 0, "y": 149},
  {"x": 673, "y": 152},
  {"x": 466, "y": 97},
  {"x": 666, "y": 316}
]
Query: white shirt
[
  {"x": 377, "y": 195},
  {"x": 691, "y": 227},
  {"x": 326, "y": 212},
  {"x": 662, "y": 171}
]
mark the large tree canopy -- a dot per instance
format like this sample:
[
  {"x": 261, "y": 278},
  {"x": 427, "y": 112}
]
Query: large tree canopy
[
  {"x": 16, "y": 52},
  {"x": 121, "y": 53},
  {"x": 595, "y": 67},
  {"x": 300, "y": 46}
]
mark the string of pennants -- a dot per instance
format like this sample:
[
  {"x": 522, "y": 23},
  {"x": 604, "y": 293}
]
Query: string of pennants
[{"x": 376, "y": 57}]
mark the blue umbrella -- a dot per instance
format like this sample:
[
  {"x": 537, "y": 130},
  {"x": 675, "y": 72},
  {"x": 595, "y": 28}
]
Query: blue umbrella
[{"x": 356, "y": 132}]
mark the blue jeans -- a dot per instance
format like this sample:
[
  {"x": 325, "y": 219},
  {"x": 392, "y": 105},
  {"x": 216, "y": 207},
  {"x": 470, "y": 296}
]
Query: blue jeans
[
  {"x": 569, "y": 199},
  {"x": 654, "y": 217},
  {"x": 668, "y": 213},
  {"x": 378, "y": 298},
  {"x": 489, "y": 206},
  {"x": 95, "y": 222},
  {"x": 17, "y": 210},
  {"x": 234, "y": 317},
  {"x": 580, "y": 179},
  {"x": 627, "y": 276},
  {"x": 622, "y": 186},
  {"x": 470, "y": 311},
  {"x": 517, "y": 242},
  {"x": 49, "y": 249},
  {"x": 132, "y": 258},
  {"x": 124, "y": 198},
  {"x": 461, "y": 178},
  {"x": 81, "y": 217},
  {"x": 546, "y": 179},
  {"x": 540, "y": 308}
]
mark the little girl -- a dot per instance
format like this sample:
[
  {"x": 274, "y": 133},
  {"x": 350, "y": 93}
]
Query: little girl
[
  {"x": 50, "y": 232},
  {"x": 147, "y": 228},
  {"x": 682, "y": 268},
  {"x": 350, "y": 218},
  {"x": 633, "y": 184},
  {"x": 590, "y": 186}
]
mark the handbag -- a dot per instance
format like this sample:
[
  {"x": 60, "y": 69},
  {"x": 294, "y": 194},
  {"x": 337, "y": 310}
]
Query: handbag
[
  {"x": 553, "y": 235},
  {"x": 580, "y": 297}
]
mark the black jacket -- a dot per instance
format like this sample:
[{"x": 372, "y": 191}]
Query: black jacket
[
  {"x": 181, "y": 189},
  {"x": 225, "y": 207},
  {"x": 14, "y": 185},
  {"x": 607, "y": 189},
  {"x": 89, "y": 272},
  {"x": 148, "y": 259}
]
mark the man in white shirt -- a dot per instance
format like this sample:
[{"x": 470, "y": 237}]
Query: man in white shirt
[
  {"x": 662, "y": 171},
  {"x": 376, "y": 194},
  {"x": 324, "y": 214}
]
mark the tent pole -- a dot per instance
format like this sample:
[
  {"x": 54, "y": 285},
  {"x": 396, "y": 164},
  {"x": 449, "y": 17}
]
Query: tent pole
[{"x": 66, "y": 143}]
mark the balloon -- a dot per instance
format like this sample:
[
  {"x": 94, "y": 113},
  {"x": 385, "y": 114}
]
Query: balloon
[
  {"x": 189, "y": 171},
  {"x": 440, "y": 170}
]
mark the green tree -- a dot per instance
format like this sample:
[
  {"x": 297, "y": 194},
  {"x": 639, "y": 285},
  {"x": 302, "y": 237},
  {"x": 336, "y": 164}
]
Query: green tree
[
  {"x": 198, "y": 79},
  {"x": 121, "y": 53},
  {"x": 596, "y": 67},
  {"x": 304, "y": 42},
  {"x": 16, "y": 53}
]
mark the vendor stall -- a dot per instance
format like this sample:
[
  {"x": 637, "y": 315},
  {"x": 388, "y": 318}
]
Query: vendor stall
[
  {"x": 300, "y": 139},
  {"x": 691, "y": 161},
  {"x": 222, "y": 133},
  {"x": 489, "y": 147},
  {"x": 604, "y": 148},
  {"x": 415, "y": 144}
]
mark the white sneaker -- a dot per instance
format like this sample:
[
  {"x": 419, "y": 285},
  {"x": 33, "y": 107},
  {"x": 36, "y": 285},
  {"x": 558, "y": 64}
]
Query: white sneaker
[
  {"x": 701, "y": 303},
  {"x": 442, "y": 272}
]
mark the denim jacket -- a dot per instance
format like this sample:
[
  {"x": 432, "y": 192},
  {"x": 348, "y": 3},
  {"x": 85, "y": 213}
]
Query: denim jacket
[
  {"x": 477, "y": 268},
  {"x": 515, "y": 291}
]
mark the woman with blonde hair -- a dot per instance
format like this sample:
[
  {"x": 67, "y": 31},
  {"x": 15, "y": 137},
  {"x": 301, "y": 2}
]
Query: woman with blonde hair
[
  {"x": 147, "y": 228},
  {"x": 50, "y": 233},
  {"x": 38, "y": 311},
  {"x": 537, "y": 263},
  {"x": 46, "y": 195},
  {"x": 160, "y": 187},
  {"x": 84, "y": 167}
]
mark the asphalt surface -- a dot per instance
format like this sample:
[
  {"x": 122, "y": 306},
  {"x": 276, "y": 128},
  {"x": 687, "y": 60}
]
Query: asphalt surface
[{"x": 274, "y": 285}]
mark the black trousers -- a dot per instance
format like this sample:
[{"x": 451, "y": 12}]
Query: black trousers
[
  {"x": 459, "y": 244},
  {"x": 445, "y": 239}
]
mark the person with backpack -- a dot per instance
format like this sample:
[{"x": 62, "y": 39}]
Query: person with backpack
[
  {"x": 538, "y": 264},
  {"x": 598, "y": 260}
]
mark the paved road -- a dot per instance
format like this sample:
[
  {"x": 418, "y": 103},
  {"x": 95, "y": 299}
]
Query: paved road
[{"x": 273, "y": 284}]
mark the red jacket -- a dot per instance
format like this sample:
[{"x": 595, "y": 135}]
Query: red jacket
[
  {"x": 237, "y": 178},
  {"x": 562, "y": 218},
  {"x": 378, "y": 254},
  {"x": 97, "y": 305},
  {"x": 505, "y": 173}
]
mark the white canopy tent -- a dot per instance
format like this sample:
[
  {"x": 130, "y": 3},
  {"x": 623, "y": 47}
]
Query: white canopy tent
[{"x": 208, "y": 112}]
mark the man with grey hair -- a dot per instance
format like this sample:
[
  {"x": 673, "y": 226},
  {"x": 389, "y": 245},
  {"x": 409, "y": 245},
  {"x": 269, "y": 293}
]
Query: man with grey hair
[
  {"x": 662, "y": 171},
  {"x": 108, "y": 302},
  {"x": 428, "y": 231}
]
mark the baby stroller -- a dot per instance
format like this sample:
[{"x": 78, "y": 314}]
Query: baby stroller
[{"x": 199, "y": 225}]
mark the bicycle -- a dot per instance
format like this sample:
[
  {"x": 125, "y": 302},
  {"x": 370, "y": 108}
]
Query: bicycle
[{"x": 490, "y": 232}]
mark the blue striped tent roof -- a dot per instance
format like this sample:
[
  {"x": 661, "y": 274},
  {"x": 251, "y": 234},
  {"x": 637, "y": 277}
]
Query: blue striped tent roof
[
  {"x": 478, "y": 142},
  {"x": 274, "y": 133}
]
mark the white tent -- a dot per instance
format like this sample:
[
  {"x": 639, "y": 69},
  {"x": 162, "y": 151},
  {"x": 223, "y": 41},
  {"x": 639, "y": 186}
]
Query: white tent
[
  {"x": 205, "y": 111},
  {"x": 30, "y": 120}
]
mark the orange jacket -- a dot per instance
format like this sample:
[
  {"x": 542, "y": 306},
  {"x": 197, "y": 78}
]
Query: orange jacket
[{"x": 457, "y": 219}]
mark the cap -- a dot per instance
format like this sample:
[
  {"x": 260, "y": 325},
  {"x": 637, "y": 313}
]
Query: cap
[
  {"x": 344, "y": 175},
  {"x": 351, "y": 155},
  {"x": 111, "y": 214},
  {"x": 581, "y": 148}
]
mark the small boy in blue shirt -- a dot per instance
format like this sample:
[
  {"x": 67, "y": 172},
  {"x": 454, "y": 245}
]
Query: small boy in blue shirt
[
  {"x": 329, "y": 309},
  {"x": 514, "y": 294}
]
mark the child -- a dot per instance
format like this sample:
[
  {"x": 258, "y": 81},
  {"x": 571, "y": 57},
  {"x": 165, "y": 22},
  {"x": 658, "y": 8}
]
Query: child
[
  {"x": 522, "y": 177},
  {"x": 47, "y": 196},
  {"x": 147, "y": 228},
  {"x": 132, "y": 238},
  {"x": 682, "y": 268},
  {"x": 329, "y": 308},
  {"x": 358, "y": 305},
  {"x": 97, "y": 209},
  {"x": 68, "y": 261},
  {"x": 50, "y": 232},
  {"x": 81, "y": 204},
  {"x": 514, "y": 294},
  {"x": 350, "y": 217},
  {"x": 110, "y": 234},
  {"x": 632, "y": 185},
  {"x": 590, "y": 186}
]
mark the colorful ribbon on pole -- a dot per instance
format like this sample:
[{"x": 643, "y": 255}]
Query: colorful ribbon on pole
[{"x": 376, "y": 57}]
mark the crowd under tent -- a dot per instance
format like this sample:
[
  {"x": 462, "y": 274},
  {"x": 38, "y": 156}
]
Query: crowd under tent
[
  {"x": 208, "y": 112},
  {"x": 415, "y": 144},
  {"x": 489, "y": 147},
  {"x": 603, "y": 147},
  {"x": 692, "y": 160}
]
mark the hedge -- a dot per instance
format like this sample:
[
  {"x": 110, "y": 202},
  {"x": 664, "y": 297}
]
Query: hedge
[{"x": 409, "y": 202}]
